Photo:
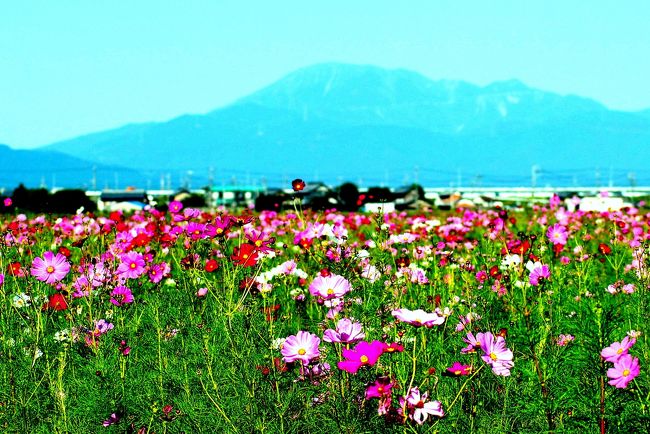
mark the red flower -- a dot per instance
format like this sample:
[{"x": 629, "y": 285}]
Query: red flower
[
  {"x": 604, "y": 249},
  {"x": 271, "y": 312},
  {"x": 519, "y": 247},
  {"x": 140, "y": 240},
  {"x": 245, "y": 255},
  {"x": 14, "y": 269},
  {"x": 64, "y": 251},
  {"x": 211, "y": 265},
  {"x": 56, "y": 302},
  {"x": 298, "y": 184},
  {"x": 403, "y": 262}
]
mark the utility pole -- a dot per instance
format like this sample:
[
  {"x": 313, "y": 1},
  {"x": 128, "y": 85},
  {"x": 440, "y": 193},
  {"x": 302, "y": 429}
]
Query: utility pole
[
  {"x": 534, "y": 172},
  {"x": 94, "y": 181},
  {"x": 611, "y": 178}
]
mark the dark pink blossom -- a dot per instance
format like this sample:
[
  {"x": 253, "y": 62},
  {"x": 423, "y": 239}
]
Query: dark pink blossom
[{"x": 363, "y": 354}]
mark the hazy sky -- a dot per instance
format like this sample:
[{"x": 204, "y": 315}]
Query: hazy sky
[{"x": 70, "y": 67}]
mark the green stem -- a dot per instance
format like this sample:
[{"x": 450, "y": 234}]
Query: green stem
[{"x": 463, "y": 388}]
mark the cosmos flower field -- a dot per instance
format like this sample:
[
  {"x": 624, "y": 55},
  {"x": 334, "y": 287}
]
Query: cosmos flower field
[{"x": 194, "y": 321}]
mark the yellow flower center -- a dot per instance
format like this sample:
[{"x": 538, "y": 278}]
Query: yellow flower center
[
  {"x": 626, "y": 372},
  {"x": 619, "y": 351},
  {"x": 380, "y": 389},
  {"x": 133, "y": 265},
  {"x": 258, "y": 243},
  {"x": 363, "y": 359},
  {"x": 302, "y": 351},
  {"x": 456, "y": 372},
  {"x": 50, "y": 269},
  {"x": 245, "y": 256},
  {"x": 493, "y": 356},
  {"x": 330, "y": 291}
]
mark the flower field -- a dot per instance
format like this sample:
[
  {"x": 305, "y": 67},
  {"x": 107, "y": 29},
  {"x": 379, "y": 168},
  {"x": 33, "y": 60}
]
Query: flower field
[{"x": 486, "y": 321}]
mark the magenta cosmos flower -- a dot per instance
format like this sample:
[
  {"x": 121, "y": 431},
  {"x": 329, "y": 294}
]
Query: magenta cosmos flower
[
  {"x": 618, "y": 349},
  {"x": 459, "y": 369},
  {"x": 557, "y": 234},
  {"x": 302, "y": 346},
  {"x": 418, "y": 317},
  {"x": 50, "y": 268},
  {"x": 537, "y": 272},
  {"x": 624, "y": 371},
  {"x": 363, "y": 354},
  {"x": 379, "y": 388},
  {"x": 121, "y": 295},
  {"x": 495, "y": 353},
  {"x": 329, "y": 287},
  {"x": 347, "y": 332},
  {"x": 132, "y": 265}
]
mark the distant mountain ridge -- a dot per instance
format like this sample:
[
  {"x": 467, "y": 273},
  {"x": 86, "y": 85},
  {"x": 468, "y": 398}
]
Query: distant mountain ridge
[
  {"x": 51, "y": 169},
  {"x": 338, "y": 122}
]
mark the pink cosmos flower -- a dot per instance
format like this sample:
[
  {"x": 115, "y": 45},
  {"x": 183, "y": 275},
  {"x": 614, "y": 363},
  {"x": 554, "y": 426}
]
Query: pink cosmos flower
[
  {"x": 175, "y": 206},
  {"x": 121, "y": 295},
  {"x": 202, "y": 292},
  {"x": 537, "y": 272},
  {"x": 51, "y": 268},
  {"x": 363, "y": 354},
  {"x": 112, "y": 419},
  {"x": 132, "y": 265},
  {"x": 563, "y": 340},
  {"x": 195, "y": 230},
  {"x": 458, "y": 369},
  {"x": 347, "y": 332},
  {"x": 394, "y": 347},
  {"x": 329, "y": 287},
  {"x": 380, "y": 388},
  {"x": 418, "y": 317},
  {"x": 158, "y": 271},
  {"x": 495, "y": 353},
  {"x": 557, "y": 234},
  {"x": 418, "y": 408},
  {"x": 625, "y": 369},
  {"x": 618, "y": 349},
  {"x": 101, "y": 327},
  {"x": 301, "y": 346},
  {"x": 472, "y": 344}
]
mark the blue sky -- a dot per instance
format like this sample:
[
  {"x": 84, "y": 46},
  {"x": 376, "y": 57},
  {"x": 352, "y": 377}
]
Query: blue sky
[{"x": 76, "y": 66}]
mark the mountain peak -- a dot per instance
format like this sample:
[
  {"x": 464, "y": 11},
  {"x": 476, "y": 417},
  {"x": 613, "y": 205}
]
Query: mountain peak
[{"x": 512, "y": 85}]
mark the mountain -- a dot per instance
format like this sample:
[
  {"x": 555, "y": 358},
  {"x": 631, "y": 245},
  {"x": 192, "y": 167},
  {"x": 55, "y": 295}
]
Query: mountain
[
  {"x": 362, "y": 123},
  {"x": 34, "y": 168}
]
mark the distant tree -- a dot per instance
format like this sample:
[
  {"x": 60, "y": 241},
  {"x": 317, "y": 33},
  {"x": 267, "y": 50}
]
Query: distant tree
[
  {"x": 194, "y": 201},
  {"x": 69, "y": 201},
  {"x": 269, "y": 202},
  {"x": 25, "y": 199},
  {"x": 349, "y": 196},
  {"x": 378, "y": 194}
]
